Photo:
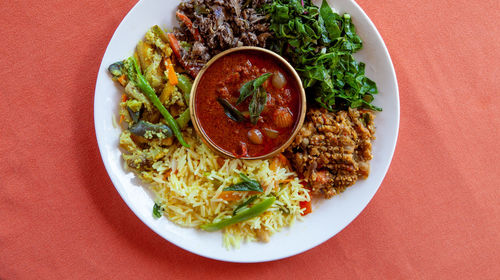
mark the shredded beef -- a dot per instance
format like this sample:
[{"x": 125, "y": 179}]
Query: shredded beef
[{"x": 222, "y": 25}]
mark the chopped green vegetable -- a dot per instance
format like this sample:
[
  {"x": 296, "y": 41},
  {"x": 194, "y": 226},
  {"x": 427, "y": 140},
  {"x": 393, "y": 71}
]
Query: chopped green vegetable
[
  {"x": 245, "y": 186},
  {"x": 135, "y": 76},
  {"x": 183, "y": 119},
  {"x": 319, "y": 43},
  {"x": 157, "y": 30},
  {"x": 231, "y": 111},
  {"x": 244, "y": 205},
  {"x": 243, "y": 215},
  {"x": 157, "y": 210},
  {"x": 185, "y": 84}
]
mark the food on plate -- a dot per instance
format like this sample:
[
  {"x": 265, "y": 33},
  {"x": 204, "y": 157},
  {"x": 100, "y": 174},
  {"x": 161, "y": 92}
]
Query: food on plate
[
  {"x": 208, "y": 27},
  {"x": 193, "y": 186},
  {"x": 333, "y": 150},
  {"x": 247, "y": 103},
  {"x": 320, "y": 45}
]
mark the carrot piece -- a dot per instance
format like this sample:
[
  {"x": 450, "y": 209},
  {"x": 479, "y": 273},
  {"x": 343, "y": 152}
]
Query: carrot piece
[
  {"x": 229, "y": 196},
  {"x": 279, "y": 161},
  {"x": 220, "y": 161},
  {"x": 172, "y": 77},
  {"x": 124, "y": 97},
  {"x": 167, "y": 174},
  {"x": 189, "y": 25},
  {"x": 307, "y": 206},
  {"x": 274, "y": 164},
  {"x": 176, "y": 47},
  {"x": 233, "y": 195},
  {"x": 283, "y": 160},
  {"x": 122, "y": 117},
  {"x": 122, "y": 80},
  {"x": 286, "y": 181}
]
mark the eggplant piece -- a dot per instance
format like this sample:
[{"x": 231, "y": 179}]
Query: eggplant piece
[
  {"x": 116, "y": 69},
  {"x": 134, "y": 115},
  {"x": 140, "y": 127}
]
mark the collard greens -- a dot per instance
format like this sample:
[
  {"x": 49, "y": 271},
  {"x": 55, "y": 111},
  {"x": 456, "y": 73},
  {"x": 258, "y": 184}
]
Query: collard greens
[{"x": 319, "y": 43}]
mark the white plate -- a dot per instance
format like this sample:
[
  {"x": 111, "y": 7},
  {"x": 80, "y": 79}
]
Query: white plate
[{"x": 329, "y": 216}]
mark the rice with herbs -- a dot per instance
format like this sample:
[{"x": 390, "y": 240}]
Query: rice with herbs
[{"x": 188, "y": 183}]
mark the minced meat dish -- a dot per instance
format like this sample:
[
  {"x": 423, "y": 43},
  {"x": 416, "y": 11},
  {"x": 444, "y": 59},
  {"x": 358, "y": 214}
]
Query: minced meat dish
[
  {"x": 333, "y": 149},
  {"x": 216, "y": 25}
]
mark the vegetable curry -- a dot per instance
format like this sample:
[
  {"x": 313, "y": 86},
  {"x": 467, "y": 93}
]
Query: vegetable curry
[{"x": 247, "y": 103}]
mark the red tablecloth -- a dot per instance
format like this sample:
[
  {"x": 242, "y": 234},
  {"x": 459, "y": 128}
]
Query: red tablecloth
[{"x": 436, "y": 215}]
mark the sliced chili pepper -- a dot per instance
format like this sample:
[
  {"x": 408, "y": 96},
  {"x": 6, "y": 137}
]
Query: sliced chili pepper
[
  {"x": 176, "y": 48},
  {"x": 242, "y": 216},
  {"x": 189, "y": 25}
]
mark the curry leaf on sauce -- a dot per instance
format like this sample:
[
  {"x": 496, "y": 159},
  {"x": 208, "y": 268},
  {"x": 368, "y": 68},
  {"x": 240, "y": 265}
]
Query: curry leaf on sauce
[
  {"x": 231, "y": 112},
  {"x": 251, "y": 87},
  {"x": 245, "y": 91},
  {"x": 257, "y": 104}
]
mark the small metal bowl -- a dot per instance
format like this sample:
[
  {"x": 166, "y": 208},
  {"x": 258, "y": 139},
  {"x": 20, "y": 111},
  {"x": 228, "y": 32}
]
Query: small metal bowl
[{"x": 298, "y": 124}]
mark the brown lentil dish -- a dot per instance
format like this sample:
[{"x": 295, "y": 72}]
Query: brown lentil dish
[{"x": 333, "y": 149}]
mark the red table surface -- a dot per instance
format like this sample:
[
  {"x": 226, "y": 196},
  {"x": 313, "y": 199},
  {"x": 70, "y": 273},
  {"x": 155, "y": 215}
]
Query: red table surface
[{"x": 436, "y": 215}]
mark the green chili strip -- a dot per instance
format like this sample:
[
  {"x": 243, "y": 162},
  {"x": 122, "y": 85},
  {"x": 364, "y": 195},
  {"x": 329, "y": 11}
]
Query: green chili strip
[
  {"x": 143, "y": 84},
  {"x": 183, "y": 119},
  {"x": 185, "y": 86},
  {"x": 244, "y": 215}
]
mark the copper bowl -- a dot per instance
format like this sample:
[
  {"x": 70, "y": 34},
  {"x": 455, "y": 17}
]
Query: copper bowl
[{"x": 298, "y": 123}]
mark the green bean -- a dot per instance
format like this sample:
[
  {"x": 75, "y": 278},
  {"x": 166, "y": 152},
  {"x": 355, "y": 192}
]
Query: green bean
[
  {"x": 244, "y": 215},
  {"x": 183, "y": 119},
  {"x": 185, "y": 86},
  {"x": 143, "y": 84}
]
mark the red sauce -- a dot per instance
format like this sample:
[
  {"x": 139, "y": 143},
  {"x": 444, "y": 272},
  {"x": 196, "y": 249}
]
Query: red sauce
[{"x": 224, "y": 79}]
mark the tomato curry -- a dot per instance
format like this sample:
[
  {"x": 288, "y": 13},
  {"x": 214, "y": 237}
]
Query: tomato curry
[{"x": 223, "y": 80}]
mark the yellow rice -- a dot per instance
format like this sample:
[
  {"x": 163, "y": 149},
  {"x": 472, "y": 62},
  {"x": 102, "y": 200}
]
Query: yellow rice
[{"x": 187, "y": 183}]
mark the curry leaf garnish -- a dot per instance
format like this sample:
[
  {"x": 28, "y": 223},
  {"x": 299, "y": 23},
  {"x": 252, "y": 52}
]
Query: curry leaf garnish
[
  {"x": 250, "y": 181},
  {"x": 257, "y": 104},
  {"x": 157, "y": 210},
  {"x": 251, "y": 87},
  {"x": 245, "y": 186},
  {"x": 245, "y": 91},
  {"x": 232, "y": 112},
  {"x": 320, "y": 45}
]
